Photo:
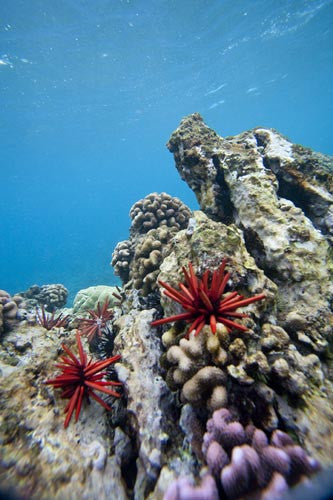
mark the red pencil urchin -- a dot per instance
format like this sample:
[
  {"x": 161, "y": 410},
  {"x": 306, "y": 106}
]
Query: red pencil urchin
[
  {"x": 95, "y": 324},
  {"x": 79, "y": 379},
  {"x": 49, "y": 321},
  {"x": 205, "y": 302}
]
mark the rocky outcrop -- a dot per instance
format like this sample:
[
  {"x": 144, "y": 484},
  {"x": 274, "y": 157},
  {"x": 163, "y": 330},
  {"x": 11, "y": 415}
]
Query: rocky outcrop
[
  {"x": 280, "y": 196},
  {"x": 266, "y": 207},
  {"x": 265, "y": 366},
  {"x": 105, "y": 454},
  {"x": 152, "y": 412}
]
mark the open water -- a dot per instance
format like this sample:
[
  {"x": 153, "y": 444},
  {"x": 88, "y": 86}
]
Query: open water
[{"x": 90, "y": 92}]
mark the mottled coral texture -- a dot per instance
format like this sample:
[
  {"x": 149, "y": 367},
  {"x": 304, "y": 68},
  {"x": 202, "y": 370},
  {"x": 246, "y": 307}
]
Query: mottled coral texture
[
  {"x": 262, "y": 198},
  {"x": 155, "y": 219},
  {"x": 156, "y": 210},
  {"x": 266, "y": 199},
  {"x": 51, "y": 296},
  {"x": 280, "y": 195},
  {"x": 12, "y": 310},
  {"x": 245, "y": 463},
  {"x": 244, "y": 460}
]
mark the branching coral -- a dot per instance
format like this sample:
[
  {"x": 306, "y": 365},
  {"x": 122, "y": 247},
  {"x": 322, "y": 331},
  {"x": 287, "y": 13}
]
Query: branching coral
[
  {"x": 244, "y": 461},
  {"x": 182, "y": 489},
  {"x": 205, "y": 301},
  {"x": 79, "y": 379},
  {"x": 192, "y": 370}
]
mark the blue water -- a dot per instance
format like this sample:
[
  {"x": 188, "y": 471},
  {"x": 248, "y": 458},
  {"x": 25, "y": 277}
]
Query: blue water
[{"x": 90, "y": 92}]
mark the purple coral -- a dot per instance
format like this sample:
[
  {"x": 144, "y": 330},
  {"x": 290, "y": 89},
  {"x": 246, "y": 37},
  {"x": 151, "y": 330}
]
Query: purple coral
[
  {"x": 244, "y": 462},
  {"x": 183, "y": 489}
]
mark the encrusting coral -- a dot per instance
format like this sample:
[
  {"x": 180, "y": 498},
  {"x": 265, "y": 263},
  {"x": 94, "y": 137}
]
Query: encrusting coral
[
  {"x": 80, "y": 378},
  {"x": 205, "y": 301}
]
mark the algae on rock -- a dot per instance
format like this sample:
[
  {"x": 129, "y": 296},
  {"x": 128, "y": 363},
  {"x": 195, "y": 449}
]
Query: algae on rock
[{"x": 280, "y": 196}]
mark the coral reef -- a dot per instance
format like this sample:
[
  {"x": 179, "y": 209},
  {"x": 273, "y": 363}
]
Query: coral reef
[
  {"x": 51, "y": 296},
  {"x": 229, "y": 351},
  {"x": 228, "y": 413},
  {"x": 88, "y": 298},
  {"x": 156, "y": 210},
  {"x": 155, "y": 219},
  {"x": 12, "y": 310},
  {"x": 39, "y": 459},
  {"x": 280, "y": 368},
  {"x": 275, "y": 192}
]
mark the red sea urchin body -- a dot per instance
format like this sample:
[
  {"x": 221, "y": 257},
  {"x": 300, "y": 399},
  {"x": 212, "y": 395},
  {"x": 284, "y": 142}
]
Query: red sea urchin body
[
  {"x": 80, "y": 378},
  {"x": 94, "y": 325},
  {"x": 205, "y": 302}
]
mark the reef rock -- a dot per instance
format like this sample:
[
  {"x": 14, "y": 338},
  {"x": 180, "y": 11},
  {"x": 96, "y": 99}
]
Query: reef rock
[
  {"x": 266, "y": 206},
  {"x": 151, "y": 407},
  {"x": 280, "y": 195},
  {"x": 39, "y": 458}
]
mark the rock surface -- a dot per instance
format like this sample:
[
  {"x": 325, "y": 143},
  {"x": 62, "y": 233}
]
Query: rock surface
[
  {"x": 266, "y": 205},
  {"x": 280, "y": 196},
  {"x": 39, "y": 458}
]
